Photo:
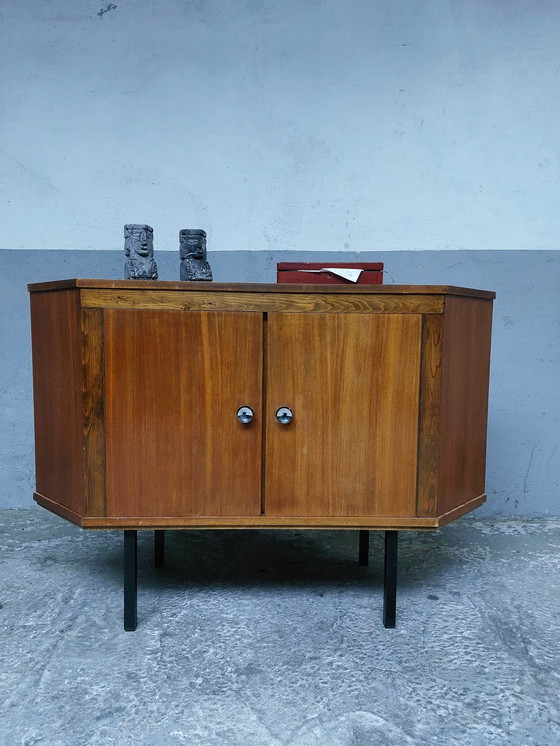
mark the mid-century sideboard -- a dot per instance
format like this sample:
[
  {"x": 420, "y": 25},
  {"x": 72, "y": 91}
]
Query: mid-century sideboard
[{"x": 174, "y": 405}]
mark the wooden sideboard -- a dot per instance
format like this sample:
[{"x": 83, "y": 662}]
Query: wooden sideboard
[{"x": 171, "y": 405}]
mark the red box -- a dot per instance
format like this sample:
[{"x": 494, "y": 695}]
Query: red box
[{"x": 372, "y": 273}]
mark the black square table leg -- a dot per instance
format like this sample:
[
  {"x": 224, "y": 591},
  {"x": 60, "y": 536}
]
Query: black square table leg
[
  {"x": 159, "y": 548},
  {"x": 390, "y": 579},
  {"x": 363, "y": 550},
  {"x": 130, "y": 580}
]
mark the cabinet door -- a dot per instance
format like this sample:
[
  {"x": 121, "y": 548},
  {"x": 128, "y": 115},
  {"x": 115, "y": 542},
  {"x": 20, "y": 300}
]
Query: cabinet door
[
  {"x": 174, "y": 381},
  {"x": 352, "y": 381}
]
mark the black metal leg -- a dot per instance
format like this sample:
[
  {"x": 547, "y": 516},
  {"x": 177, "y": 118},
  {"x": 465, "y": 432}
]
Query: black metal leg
[
  {"x": 159, "y": 548},
  {"x": 130, "y": 580},
  {"x": 363, "y": 551},
  {"x": 390, "y": 579}
]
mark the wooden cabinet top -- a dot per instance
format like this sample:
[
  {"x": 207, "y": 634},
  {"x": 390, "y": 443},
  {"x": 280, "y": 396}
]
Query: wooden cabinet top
[{"x": 283, "y": 288}]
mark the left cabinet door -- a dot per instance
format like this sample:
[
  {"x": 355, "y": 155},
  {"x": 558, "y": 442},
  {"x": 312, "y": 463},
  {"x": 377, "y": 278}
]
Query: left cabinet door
[{"x": 174, "y": 381}]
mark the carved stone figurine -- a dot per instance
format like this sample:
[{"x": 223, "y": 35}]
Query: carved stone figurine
[
  {"x": 139, "y": 263},
  {"x": 194, "y": 264}
]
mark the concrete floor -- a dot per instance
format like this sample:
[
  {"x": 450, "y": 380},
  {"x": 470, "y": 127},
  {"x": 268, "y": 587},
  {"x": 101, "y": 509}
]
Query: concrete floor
[{"x": 263, "y": 638}]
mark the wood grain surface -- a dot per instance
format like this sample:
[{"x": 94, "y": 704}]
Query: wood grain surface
[
  {"x": 174, "y": 382},
  {"x": 464, "y": 401},
  {"x": 430, "y": 415},
  {"x": 93, "y": 411},
  {"x": 244, "y": 287},
  {"x": 352, "y": 383},
  {"x": 57, "y": 390},
  {"x": 262, "y": 302}
]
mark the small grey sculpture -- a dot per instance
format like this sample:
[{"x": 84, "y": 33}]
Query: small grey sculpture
[
  {"x": 194, "y": 264},
  {"x": 139, "y": 263}
]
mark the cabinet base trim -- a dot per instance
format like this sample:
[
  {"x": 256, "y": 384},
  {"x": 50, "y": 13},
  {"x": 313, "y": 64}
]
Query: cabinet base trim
[
  {"x": 383, "y": 523},
  {"x": 460, "y": 510},
  {"x": 59, "y": 509}
]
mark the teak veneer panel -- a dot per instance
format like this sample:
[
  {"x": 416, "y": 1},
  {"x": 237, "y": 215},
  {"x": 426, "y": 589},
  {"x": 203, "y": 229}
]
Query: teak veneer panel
[
  {"x": 352, "y": 383},
  {"x": 57, "y": 387},
  {"x": 266, "y": 288},
  {"x": 93, "y": 411},
  {"x": 246, "y": 301},
  {"x": 429, "y": 424},
  {"x": 464, "y": 400},
  {"x": 174, "y": 382}
]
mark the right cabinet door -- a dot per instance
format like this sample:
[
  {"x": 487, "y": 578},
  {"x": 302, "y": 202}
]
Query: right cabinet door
[{"x": 352, "y": 382}]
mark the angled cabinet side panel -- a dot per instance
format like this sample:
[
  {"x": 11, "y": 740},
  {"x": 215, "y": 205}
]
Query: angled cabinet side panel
[
  {"x": 57, "y": 385},
  {"x": 464, "y": 401}
]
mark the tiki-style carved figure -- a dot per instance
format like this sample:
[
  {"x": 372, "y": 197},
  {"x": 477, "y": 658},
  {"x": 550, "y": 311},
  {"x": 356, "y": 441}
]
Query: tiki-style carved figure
[
  {"x": 194, "y": 264},
  {"x": 139, "y": 263}
]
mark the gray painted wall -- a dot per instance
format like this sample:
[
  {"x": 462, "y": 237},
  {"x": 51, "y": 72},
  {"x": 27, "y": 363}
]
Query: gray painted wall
[
  {"x": 524, "y": 430},
  {"x": 301, "y": 124}
]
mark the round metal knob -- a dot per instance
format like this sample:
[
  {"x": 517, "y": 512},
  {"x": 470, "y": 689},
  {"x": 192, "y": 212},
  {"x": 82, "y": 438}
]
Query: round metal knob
[
  {"x": 245, "y": 415},
  {"x": 284, "y": 415}
]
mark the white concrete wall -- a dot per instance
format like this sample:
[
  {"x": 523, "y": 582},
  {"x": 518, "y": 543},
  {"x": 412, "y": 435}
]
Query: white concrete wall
[{"x": 297, "y": 124}]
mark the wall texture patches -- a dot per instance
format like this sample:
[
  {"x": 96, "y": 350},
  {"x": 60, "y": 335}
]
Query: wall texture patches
[
  {"x": 524, "y": 441},
  {"x": 295, "y": 125}
]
